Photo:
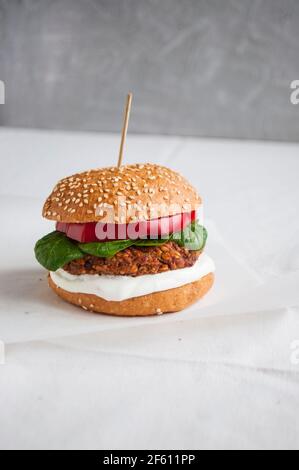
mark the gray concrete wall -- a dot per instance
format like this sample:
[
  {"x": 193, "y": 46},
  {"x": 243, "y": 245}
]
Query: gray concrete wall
[{"x": 196, "y": 67}]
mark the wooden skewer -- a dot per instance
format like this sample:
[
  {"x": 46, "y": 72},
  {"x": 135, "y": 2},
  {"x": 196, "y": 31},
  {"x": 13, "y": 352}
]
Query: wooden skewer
[{"x": 125, "y": 129}]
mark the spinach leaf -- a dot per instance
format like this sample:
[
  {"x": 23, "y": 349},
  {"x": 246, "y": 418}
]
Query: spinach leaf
[
  {"x": 153, "y": 242},
  {"x": 55, "y": 250},
  {"x": 193, "y": 237},
  {"x": 109, "y": 249},
  {"x": 105, "y": 249}
]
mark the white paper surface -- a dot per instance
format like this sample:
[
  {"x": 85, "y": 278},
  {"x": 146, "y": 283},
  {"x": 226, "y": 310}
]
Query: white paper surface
[
  {"x": 30, "y": 310},
  {"x": 222, "y": 374}
]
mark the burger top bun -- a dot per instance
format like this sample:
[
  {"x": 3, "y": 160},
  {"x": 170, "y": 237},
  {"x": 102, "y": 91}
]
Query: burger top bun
[{"x": 133, "y": 191}]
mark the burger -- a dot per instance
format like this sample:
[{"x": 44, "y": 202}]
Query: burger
[{"x": 128, "y": 241}]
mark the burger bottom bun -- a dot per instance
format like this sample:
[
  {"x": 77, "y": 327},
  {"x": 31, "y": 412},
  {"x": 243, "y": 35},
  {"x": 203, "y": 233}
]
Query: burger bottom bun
[{"x": 172, "y": 300}]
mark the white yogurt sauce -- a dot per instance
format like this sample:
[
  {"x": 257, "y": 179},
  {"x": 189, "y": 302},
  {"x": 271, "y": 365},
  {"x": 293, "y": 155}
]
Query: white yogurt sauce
[{"x": 117, "y": 288}]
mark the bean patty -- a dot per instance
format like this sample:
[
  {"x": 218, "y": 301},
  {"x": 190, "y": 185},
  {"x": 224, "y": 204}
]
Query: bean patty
[{"x": 136, "y": 261}]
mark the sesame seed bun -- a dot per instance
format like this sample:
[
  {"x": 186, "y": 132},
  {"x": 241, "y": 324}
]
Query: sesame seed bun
[
  {"x": 167, "y": 301},
  {"x": 84, "y": 197}
]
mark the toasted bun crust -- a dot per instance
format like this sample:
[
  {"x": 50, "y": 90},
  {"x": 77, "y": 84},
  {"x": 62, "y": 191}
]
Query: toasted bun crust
[
  {"x": 168, "y": 301},
  {"x": 84, "y": 197}
]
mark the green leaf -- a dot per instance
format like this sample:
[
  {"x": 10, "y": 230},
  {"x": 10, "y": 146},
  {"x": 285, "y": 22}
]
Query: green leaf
[
  {"x": 193, "y": 237},
  {"x": 105, "y": 249},
  {"x": 157, "y": 242},
  {"x": 55, "y": 250}
]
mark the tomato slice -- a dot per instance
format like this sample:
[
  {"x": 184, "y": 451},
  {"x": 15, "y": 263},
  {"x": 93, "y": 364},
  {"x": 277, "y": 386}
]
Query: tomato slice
[{"x": 97, "y": 231}]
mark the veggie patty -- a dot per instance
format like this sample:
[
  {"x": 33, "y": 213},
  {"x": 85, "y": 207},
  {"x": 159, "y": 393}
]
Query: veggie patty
[{"x": 136, "y": 261}]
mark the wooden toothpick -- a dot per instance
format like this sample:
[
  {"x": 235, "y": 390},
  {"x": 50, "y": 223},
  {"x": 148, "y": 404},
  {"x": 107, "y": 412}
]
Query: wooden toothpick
[{"x": 125, "y": 128}]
